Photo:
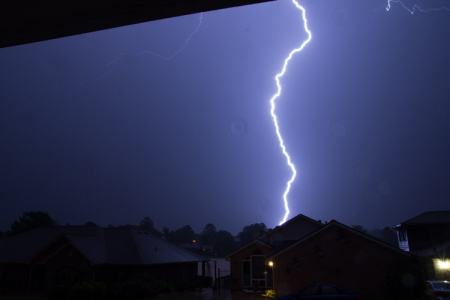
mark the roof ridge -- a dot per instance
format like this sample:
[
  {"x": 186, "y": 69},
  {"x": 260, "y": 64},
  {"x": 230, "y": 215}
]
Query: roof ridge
[
  {"x": 336, "y": 223},
  {"x": 426, "y": 217},
  {"x": 290, "y": 221}
]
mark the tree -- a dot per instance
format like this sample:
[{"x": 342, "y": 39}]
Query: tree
[
  {"x": 389, "y": 236},
  {"x": 167, "y": 233},
  {"x": 251, "y": 232},
  {"x": 224, "y": 243},
  {"x": 359, "y": 228},
  {"x": 30, "y": 220},
  {"x": 208, "y": 235},
  {"x": 183, "y": 235},
  {"x": 147, "y": 225}
]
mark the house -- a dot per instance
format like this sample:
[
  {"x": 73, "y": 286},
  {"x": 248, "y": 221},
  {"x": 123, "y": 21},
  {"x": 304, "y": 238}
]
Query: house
[
  {"x": 323, "y": 253},
  {"x": 41, "y": 258},
  {"x": 248, "y": 268},
  {"x": 428, "y": 236}
]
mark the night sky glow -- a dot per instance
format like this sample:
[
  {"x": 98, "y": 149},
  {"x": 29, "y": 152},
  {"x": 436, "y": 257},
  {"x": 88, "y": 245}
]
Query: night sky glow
[
  {"x": 171, "y": 119},
  {"x": 283, "y": 71}
]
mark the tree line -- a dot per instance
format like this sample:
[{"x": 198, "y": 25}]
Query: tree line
[{"x": 209, "y": 241}]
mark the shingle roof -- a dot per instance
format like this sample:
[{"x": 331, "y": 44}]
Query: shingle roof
[
  {"x": 22, "y": 247},
  {"x": 99, "y": 245},
  {"x": 429, "y": 217},
  {"x": 336, "y": 224},
  {"x": 285, "y": 234},
  {"x": 290, "y": 222},
  {"x": 153, "y": 250},
  {"x": 93, "y": 247}
]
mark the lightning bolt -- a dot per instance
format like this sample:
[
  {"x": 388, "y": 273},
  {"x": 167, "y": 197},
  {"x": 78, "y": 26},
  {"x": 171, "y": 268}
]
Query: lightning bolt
[
  {"x": 274, "y": 116},
  {"x": 283, "y": 71},
  {"x": 415, "y": 7}
]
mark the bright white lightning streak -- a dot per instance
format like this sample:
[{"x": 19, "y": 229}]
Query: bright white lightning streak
[
  {"x": 274, "y": 116},
  {"x": 414, "y": 8}
]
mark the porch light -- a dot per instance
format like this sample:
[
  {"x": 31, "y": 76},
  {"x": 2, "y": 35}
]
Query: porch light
[
  {"x": 443, "y": 264},
  {"x": 270, "y": 263}
]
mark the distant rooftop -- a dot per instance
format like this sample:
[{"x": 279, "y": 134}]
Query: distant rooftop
[
  {"x": 100, "y": 245},
  {"x": 429, "y": 217}
]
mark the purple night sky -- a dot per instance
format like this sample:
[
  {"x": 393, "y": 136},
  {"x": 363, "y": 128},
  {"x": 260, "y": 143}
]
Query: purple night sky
[{"x": 101, "y": 127}]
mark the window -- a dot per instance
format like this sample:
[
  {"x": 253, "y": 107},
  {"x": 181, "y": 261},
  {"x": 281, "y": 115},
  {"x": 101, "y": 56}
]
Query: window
[
  {"x": 255, "y": 273},
  {"x": 246, "y": 272},
  {"x": 402, "y": 236}
]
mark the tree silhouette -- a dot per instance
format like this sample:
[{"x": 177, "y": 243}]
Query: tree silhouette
[
  {"x": 147, "y": 225},
  {"x": 30, "y": 220},
  {"x": 224, "y": 243},
  {"x": 167, "y": 234},
  {"x": 208, "y": 235},
  {"x": 359, "y": 228},
  {"x": 389, "y": 236},
  {"x": 251, "y": 232},
  {"x": 183, "y": 235}
]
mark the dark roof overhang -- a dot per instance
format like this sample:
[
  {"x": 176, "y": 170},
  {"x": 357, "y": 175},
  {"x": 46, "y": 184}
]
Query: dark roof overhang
[{"x": 28, "y": 21}]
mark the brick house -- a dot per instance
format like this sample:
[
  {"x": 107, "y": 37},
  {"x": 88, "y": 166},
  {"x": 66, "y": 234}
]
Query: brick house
[
  {"x": 44, "y": 257},
  {"x": 332, "y": 253},
  {"x": 248, "y": 268}
]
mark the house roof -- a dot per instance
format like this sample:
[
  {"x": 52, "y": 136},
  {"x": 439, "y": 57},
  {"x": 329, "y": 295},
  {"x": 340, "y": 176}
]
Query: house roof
[
  {"x": 99, "y": 245},
  {"x": 334, "y": 223},
  {"x": 153, "y": 250},
  {"x": 246, "y": 245},
  {"x": 428, "y": 217},
  {"x": 299, "y": 217},
  {"x": 22, "y": 247},
  {"x": 286, "y": 234}
]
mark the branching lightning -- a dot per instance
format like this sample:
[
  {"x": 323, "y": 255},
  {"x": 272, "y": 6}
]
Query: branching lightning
[
  {"x": 154, "y": 54},
  {"x": 274, "y": 116},
  {"x": 415, "y": 8},
  {"x": 159, "y": 56}
]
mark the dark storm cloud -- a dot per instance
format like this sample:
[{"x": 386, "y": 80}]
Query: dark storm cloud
[{"x": 96, "y": 128}]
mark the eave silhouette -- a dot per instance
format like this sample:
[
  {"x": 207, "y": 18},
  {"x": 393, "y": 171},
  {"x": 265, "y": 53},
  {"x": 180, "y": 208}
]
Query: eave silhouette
[{"x": 29, "y": 21}]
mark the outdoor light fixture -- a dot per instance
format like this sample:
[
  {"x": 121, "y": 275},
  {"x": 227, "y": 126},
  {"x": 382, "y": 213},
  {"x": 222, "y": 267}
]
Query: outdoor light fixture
[
  {"x": 270, "y": 263},
  {"x": 442, "y": 264}
]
